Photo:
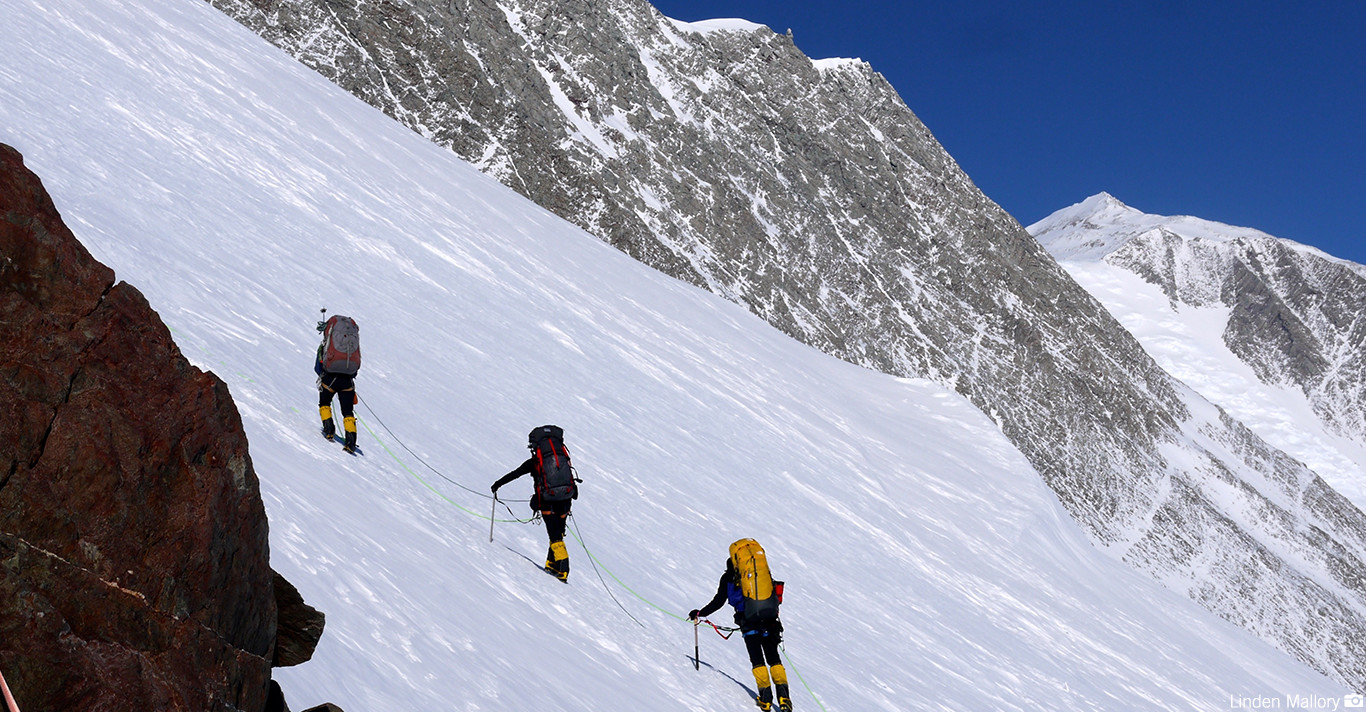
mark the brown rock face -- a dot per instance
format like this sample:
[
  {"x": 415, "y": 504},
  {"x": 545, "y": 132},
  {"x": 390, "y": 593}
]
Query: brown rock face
[
  {"x": 134, "y": 562},
  {"x": 300, "y": 625}
]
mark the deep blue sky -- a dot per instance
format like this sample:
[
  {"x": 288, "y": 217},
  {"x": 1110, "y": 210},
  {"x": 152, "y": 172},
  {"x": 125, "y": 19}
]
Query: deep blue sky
[{"x": 1251, "y": 113}]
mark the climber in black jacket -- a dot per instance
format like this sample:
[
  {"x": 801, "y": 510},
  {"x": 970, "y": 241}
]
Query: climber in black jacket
[
  {"x": 760, "y": 628},
  {"x": 555, "y": 491}
]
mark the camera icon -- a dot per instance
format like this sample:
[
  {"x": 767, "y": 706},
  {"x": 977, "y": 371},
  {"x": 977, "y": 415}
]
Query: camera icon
[{"x": 1354, "y": 701}]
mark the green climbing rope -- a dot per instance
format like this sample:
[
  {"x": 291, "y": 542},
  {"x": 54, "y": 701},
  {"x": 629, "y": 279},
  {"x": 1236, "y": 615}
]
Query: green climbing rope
[{"x": 425, "y": 483}]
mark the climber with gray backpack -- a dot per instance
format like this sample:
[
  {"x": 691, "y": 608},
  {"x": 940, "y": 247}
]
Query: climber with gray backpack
[
  {"x": 555, "y": 489},
  {"x": 337, "y": 363}
]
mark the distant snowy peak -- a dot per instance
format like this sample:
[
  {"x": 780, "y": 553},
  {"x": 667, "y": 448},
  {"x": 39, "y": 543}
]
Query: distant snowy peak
[
  {"x": 1088, "y": 230},
  {"x": 731, "y": 24},
  {"x": 1294, "y": 315},
  {"x": 1104, "y": 228},
  {"x": 837, "y": 63},
  {"x": 1098, "y": 226},
  {"x": 727, "y": 24}
]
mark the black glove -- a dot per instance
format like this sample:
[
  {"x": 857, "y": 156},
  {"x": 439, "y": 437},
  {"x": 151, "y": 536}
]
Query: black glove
[
  {"x": 321, "y": 325},
  {"x": 495, "y": 489},
  {"x": 693, "y": 614}
]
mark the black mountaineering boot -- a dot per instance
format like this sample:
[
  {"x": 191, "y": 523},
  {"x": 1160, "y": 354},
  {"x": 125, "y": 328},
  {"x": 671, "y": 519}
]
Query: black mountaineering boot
[
  {"x": 765, "y": 699},
  {"x": 784, "y": 699}
]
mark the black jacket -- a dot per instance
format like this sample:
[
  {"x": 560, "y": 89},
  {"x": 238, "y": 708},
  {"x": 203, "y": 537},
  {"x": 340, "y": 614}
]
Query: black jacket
[
  {"x": 525, "y": 468},
  {"x": 722, "y": 593}
]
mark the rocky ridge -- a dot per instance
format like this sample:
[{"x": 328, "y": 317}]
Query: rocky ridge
[
  {"x": 133, "y": 539},
  {"x": 808, "y": 192}
]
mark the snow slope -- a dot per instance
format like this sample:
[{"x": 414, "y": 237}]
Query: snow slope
[
  {"x": 1189, "y": 340},
  {"x": 927, "y": 566}
]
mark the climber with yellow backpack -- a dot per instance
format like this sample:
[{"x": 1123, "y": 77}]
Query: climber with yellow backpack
[{"x": 749, "y": 587}]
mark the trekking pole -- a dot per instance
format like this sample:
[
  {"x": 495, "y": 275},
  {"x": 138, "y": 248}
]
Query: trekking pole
[
  {"x": 492, "y": 514},
  {"x": 696, "y": 656}
]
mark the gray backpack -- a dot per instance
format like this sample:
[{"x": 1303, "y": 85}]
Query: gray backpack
[{"x": 341, "y": 346}]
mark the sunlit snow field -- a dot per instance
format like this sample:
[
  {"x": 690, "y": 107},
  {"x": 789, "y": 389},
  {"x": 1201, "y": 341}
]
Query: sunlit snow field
[
  {"x": 1188, "y": 343},
  {"x": 927, "y": 566}
]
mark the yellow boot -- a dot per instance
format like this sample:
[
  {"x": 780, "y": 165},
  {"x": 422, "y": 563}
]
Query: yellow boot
[
  {"x": 349, "y": 424},
  {"x": 765, "y": 698},
  {"x": 780, "y": 682},
  {"x": 560, "y": 564},
  {"x": 329, "y": 428}
]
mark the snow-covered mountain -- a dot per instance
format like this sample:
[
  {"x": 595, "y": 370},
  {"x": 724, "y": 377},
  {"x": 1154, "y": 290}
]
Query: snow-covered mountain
[
  {"x": 1271, "y": 330},
  {"x": 927, "y": 566},
  {"x": 808, "y": 192}
]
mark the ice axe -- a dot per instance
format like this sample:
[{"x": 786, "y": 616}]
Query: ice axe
[
  {"x": 696, "y": 656},
  {"x": 493, "y": 512}
]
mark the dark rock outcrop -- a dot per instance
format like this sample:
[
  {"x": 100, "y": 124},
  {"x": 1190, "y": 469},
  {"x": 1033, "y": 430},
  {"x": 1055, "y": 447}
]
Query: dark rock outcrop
[
  {"x": 133, "y": 539},
  {"x": 300, "y": 625}
]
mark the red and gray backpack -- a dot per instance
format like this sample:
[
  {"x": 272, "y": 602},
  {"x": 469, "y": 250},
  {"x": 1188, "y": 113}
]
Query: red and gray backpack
[
  {"x": 340, "y": 352},
  {"x": 554, "y": 475}
]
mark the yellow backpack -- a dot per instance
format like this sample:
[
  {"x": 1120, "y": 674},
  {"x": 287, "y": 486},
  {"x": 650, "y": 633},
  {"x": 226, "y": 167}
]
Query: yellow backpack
[{"x": 755, "y": 582}]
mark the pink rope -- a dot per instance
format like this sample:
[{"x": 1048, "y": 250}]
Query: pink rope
[{"x": 9, "y": 698}]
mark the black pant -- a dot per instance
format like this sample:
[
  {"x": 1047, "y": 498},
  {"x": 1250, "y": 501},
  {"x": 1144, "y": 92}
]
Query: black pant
[
  {"x": 332, "y": 383},
  {"x": 762, "y": 643},
  {"x": 556, "y": 516}
]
